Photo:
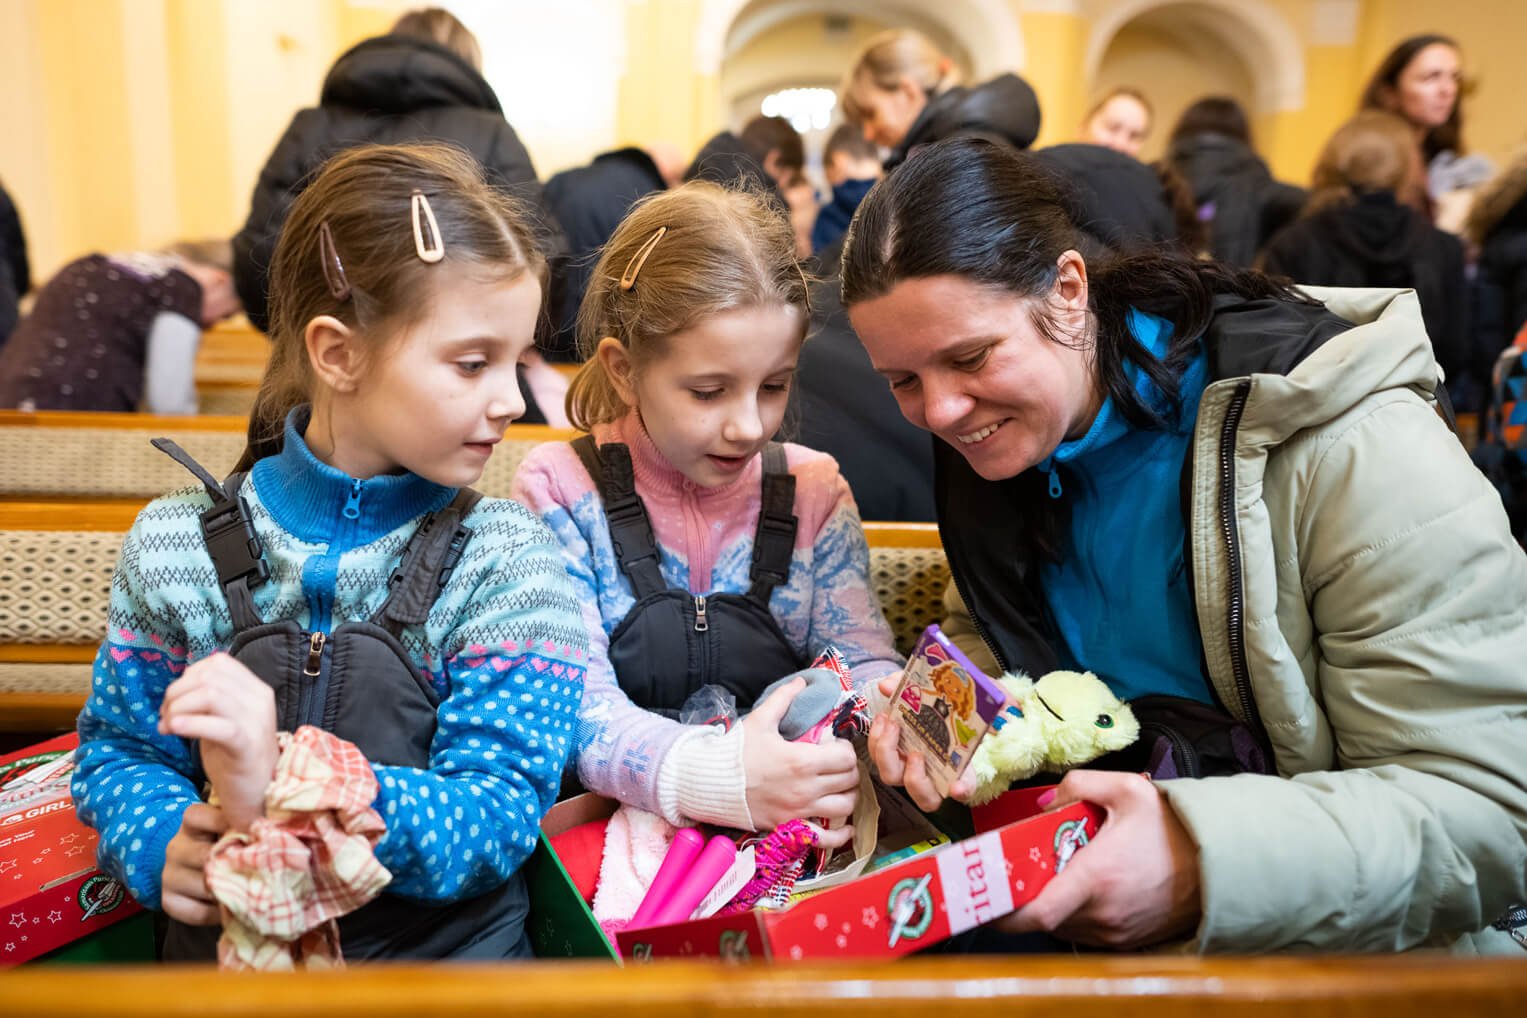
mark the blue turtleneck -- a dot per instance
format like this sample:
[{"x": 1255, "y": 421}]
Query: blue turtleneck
[
  {"x": 322, "y": 505},
  {"x": 1120, "y": 595}
]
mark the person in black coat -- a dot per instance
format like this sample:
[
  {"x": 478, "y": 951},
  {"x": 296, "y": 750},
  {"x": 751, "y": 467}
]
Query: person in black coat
[
  {"x": 1235, "y": 192},
  {"x": 589, "y": 202},
  {"x": 765, "y": 155},
  {"x": 15, "y": 270},
  {"x": 1356, "y": 231},
  {"x": 902, "y": 92},
  {"x": 401, "y": 87},
  {"x": 1498, "y": 226}
]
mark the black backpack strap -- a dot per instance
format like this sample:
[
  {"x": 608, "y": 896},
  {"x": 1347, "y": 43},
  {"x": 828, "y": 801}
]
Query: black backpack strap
[
  {"x": 774, "y": 542},
  {"x": 228, "y": 529},
  {"x": 428, "y": 560},
  {"x": 630, "y": 527}
]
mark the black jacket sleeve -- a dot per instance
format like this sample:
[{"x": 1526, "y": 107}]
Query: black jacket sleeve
[{"x": 280, "y": 182}]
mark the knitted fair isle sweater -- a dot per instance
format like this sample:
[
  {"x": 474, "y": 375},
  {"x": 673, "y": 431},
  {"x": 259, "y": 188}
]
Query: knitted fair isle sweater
[
  {"x": 705, "y": 540},
  {"x": 504, "y": 648}
]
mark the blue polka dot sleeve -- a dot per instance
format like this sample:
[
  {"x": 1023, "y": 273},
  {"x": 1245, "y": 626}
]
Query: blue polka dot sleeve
[
  {"x": 514, "y": 666},
  {"x": 130, "y": 783}
]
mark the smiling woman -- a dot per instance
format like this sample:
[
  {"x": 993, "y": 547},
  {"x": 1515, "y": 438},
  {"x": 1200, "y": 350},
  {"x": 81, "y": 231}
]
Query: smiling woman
[{"x": 1242, "y": 509}]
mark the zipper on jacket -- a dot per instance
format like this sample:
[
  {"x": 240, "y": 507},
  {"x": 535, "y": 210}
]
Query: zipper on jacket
[
  {"x": 1235, "y": 615},
  {"x": 312, "y": 672},
  {"x": 702, "y": 623},
  {"x": 352, "y": 509}
]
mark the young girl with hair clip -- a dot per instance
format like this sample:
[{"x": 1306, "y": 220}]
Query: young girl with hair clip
[
  {"x": 350, "y": 588},
  {"x": 704, "y": 553}
]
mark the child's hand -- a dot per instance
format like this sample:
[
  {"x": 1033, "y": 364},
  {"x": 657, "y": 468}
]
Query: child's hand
[
  {"x": 183, "y": 885},
  {"x": 907, "y": 770},
  {"x": 233, "y": 712},
  {"x": 794, "y": 780}
]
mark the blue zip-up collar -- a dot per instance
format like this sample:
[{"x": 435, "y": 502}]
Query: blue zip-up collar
[
  {"x": 315, "y": 502},
  {"x": 1152, "y": 333}
]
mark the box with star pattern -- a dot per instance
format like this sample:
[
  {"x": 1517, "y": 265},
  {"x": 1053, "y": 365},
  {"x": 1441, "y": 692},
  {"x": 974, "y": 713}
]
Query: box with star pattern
[
  {"x": 51, "y": 892},
  {"x": 886, "y": 913}
]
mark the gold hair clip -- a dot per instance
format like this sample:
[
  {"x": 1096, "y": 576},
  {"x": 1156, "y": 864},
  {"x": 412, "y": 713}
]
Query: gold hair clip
[
  {"x": 333, "y": 268},
  {"x": 628, "y": 278},
  {"x": 433, "y": 249}
]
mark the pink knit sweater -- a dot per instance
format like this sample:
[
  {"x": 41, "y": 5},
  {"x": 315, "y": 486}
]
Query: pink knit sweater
[{"x": 705, "y": 536}]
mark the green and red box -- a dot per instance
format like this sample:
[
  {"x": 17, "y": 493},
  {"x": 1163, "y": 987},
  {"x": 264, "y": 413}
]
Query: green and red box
[{"x": 51, "y": 892}]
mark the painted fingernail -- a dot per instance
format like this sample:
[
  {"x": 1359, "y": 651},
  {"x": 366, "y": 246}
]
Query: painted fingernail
[{"x": 1043, "y": 802}]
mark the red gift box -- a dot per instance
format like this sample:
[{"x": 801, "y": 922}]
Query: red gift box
[
  {"x": 51, "y": 892},
  {"x": 884, "y": 914}
]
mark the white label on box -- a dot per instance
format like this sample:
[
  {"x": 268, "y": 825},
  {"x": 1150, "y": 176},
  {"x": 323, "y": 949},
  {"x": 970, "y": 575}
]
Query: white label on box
[{"x": 973, "y": 873}]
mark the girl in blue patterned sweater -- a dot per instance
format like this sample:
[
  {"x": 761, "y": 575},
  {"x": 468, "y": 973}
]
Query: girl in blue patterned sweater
[{"x": 405, "y": 290}]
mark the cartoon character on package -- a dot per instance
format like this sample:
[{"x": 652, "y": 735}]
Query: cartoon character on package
[{"x": 945, "y": 706}]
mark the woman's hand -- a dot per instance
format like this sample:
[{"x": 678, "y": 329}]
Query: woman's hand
[
  {"x": 908, "y": 770},
  {"x": 183, "y": 884},
  {"x": 233, "y": 712},
  {"x": 1134, "y": 885},
  {"x": 797, "y": 780}
]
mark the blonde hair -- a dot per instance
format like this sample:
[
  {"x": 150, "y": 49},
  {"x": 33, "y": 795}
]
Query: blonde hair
[
  {"x": 437, "y": 25},
  {"x": 1374, "y": 151},
  {"x": 891, "y": 56},
  {"x": 720, "y": 249},
  {"x": 363, "y": 199}
]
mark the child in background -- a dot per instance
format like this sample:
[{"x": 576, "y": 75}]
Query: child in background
[
  {"x": 405, "y": 291},
  {"x": 708, "y": 555},
  {"x": 119, "y": 332},
  {"x": 852, "y": 166}
]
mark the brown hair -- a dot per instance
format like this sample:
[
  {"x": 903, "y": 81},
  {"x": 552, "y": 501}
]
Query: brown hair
[
  {"x": 763, "y": 135},
  {"x": 1378, "y": 95},
  {"x": 1214, "y": 114},
  {"x": 1128, "y": 92},
  {"x": 1374, "y": 151},
  {"x": 849, "y": 140},
  {"x": 437, "y": 25},
  {"x": 720, "y": 249},
  {"x": 215, "y": 252},
  {"x": 363, "y": 197},
  {"x": 891, "y": 56}
]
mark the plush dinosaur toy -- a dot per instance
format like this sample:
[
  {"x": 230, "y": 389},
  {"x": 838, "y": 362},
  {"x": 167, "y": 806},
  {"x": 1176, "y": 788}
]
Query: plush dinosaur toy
[{"x": 1061, "y": 720}]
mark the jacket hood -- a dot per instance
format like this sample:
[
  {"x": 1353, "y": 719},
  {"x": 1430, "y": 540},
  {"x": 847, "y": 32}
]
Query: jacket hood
[
  {"x": 396, "y": 74},
  {"x": 1303, "y": 385},
  {"x": 1209, "y": 159},
  {"x": 1375, "y": 228},
  {"x": 1004, "y": 109}
]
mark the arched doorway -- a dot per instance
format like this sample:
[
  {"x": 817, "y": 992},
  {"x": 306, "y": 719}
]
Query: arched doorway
[{"x": 1176, "y": 52}]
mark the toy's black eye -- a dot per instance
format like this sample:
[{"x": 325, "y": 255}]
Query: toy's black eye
[{"x": 1104, "y": 721}]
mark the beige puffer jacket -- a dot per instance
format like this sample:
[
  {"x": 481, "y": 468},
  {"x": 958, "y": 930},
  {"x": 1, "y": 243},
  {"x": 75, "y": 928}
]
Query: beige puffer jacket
[{"x": 1382, "y": 607}]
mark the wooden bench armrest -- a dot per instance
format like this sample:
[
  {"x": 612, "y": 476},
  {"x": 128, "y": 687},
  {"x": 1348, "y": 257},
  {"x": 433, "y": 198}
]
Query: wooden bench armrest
[{"x": 971, "y": 987}]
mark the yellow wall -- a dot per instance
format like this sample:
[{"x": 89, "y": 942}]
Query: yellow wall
[{"x": 133, "y": 122}]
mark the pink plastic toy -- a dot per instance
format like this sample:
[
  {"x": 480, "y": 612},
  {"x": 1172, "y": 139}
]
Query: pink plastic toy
[
  {"x": 713, "y": 863},
  {"x": 686, "y": 846}
]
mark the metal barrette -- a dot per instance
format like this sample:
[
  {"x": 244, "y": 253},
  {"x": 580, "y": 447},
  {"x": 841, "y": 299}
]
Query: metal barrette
[
  {"x": 430, "y": 249},
  {"x": 333, "y": 268},
  {"x": 628, "y": 278}
]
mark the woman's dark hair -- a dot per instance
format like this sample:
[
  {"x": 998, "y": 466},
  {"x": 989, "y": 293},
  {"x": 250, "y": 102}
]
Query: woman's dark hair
[
  {"x": 999, "y": 218},
  {"x": 1379, "y": 94},
  {"x": 1214, "y": 114}
]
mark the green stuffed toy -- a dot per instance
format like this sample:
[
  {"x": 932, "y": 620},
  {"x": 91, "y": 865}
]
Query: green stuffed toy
[{"x": 1062, "y": 720}]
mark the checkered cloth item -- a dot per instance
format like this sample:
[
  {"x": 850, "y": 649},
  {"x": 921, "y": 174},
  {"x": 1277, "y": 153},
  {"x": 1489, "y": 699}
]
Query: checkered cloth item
[{"x": 306, "y": 862}]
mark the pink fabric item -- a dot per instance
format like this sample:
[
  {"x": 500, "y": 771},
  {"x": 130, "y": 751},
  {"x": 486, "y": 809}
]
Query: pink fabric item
[
  {"x": 308, "y": 861},
  {"x": 779, "y": 858},
  {"x": 635, "y": 843}
]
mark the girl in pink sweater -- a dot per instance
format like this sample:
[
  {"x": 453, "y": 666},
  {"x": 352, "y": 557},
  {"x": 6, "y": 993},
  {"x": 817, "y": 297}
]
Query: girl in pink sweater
[{"x": 702, "y": 552}]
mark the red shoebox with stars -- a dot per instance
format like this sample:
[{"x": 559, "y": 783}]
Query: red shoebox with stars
[
  {"x": 50, "y": 890},
  {"x": 904, "y": 907}
]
